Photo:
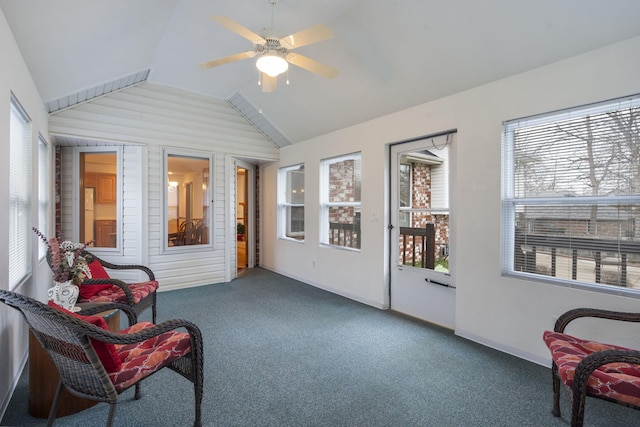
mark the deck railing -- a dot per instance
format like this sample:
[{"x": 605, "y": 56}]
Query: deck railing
[
  {"x": 527, "y": 247},
  {"x": 417, "y": 246}
]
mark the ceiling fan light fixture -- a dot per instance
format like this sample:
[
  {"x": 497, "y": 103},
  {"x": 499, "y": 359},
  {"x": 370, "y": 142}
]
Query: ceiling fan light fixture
[{"x": 272, "y": 65}]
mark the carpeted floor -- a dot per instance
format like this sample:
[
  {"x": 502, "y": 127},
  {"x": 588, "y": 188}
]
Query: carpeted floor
[{"x": 282, "y": 353}]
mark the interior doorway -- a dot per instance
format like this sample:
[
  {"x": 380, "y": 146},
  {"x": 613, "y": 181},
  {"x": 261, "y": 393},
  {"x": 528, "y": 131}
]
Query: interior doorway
[{"x": 242, "y": 218}]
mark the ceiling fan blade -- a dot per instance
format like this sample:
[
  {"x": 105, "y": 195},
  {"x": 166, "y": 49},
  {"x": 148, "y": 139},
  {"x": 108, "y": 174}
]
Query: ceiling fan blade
[
  {"x": 311, "y": 65},
  {"x": 314, "y": 34},
  {"x": 232, "y": 25},
  {"x": 228, "y": 59},
  {"x": 269, "y": 83}
]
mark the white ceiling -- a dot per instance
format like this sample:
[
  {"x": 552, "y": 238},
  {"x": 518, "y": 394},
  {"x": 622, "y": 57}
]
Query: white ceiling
[{"x": 391, "y": 55}]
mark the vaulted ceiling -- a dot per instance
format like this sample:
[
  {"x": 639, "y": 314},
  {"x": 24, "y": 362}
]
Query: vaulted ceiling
[{"x": 390, "y": 55}]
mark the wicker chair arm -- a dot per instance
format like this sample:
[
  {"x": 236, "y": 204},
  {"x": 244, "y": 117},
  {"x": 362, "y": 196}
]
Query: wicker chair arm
[
  {"x": 91, "y": 257},
  {"x": 91, "y": 309},
  {"x": 119, "y": 338},
  {"x": 599, "y": 358},
  {"x": 119, "y": 283},
  {"x": 577, "y": 313},
  {"x": 147, "y": 270}
]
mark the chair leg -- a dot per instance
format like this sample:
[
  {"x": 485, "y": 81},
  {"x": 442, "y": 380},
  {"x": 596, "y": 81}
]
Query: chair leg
[
  {"x": 138, "y": 393},
  {"x": 556, "y": 390},
  {"x": 112, "y": 413},
  {"x": 54, "y": 404},
  {"x": 579, "y": 393}
]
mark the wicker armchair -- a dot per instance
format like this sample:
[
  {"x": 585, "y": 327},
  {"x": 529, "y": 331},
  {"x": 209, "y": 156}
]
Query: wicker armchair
[
  {"x": 78, "y": 348},
  {"x": 103, "y": 288},
  {"x": 590, "y": 368}
]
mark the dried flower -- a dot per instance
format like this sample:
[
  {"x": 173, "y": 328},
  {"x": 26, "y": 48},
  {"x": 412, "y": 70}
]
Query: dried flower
[{"x": 65, "y": 259}]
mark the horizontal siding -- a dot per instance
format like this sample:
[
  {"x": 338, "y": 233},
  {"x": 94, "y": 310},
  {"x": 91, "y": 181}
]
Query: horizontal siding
[{"x": 145, "y": 119}]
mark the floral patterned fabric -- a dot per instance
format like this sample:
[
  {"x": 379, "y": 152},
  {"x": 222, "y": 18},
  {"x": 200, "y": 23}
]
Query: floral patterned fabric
[
  {"x": 115, "y": 294},
  {"x": 146, "y": 357},
  {"x": 619, "y": 381}
]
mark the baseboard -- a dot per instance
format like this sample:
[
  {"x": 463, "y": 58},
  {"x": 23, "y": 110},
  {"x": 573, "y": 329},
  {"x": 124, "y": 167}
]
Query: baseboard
[
  {"x": 336, "y": 291},
  {"x": 533, "y": 358}
]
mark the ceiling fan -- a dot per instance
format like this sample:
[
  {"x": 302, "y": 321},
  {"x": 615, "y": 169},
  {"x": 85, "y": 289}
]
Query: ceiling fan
[{"x": 275, "y": 52}]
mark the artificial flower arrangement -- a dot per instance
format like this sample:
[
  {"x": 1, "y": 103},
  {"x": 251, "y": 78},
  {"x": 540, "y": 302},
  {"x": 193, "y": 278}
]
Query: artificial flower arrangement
[{"x": 66, "y": 260}]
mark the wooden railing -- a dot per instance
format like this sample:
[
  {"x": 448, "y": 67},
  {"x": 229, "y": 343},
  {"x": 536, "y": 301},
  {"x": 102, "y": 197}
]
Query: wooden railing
[
  {"x": 345, "y": 234},
  {"x": 421, "y": 243},
  {"x": 527, "y": 246}
]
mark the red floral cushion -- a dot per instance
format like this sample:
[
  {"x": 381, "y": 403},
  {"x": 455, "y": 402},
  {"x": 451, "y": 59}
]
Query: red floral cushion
[
  {"x": 619, "y": 381},
  {"x": 114, "y": 294},
  {"x": 105, "y": 351},
  {"x": 144, "y": 358}
]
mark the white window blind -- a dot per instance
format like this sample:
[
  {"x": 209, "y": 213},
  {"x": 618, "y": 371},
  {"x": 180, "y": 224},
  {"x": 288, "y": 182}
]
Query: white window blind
[
  {"x": 20, "y": 235},
  {"x": 571, "y": 195}
]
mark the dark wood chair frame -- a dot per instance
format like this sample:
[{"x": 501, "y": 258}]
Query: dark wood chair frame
[
  {"x": 590, "y": 363},
  {"x": 67, "y": 340}
]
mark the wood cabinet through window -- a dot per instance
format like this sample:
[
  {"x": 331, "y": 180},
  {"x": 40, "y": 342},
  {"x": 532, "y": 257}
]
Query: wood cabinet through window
[{"x": 105, "y": 233}]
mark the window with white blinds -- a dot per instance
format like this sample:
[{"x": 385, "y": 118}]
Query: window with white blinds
[
  {"x": 571, "y": 196},
  {"x": 20, "y": 235},
  {"x": 43, "y": 193}
]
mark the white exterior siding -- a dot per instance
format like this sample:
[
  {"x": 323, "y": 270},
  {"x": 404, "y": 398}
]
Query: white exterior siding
[{"x": 145, "y": 120}]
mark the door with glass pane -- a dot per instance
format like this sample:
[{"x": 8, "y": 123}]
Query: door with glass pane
[{"x": 421, "y": 281}]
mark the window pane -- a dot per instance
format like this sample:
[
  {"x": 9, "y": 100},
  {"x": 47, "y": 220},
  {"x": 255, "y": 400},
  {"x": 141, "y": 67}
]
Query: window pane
[
  {"x": 188, "y": 198},
  {"x": 291, "y": 202},
  {"x": 572, "y": 194},
  {"x": 98, "y": 198},
  {"x": 424, "y": 213},
  {"x": 341, "y": 202},
  {"x": 20, "y": 161},
  {"x": 344, "y": 181}
]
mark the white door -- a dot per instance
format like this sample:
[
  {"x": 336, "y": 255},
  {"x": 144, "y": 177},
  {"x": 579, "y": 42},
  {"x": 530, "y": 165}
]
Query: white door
[{"x": 422, "y": 285}]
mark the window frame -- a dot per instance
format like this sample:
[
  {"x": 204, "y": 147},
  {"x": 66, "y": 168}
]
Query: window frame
[
  {"x": 210, "y": 158},
  {"x": 117, "y": 149},
  {"x": 326, "y": 205},
  {"x": 20, "y": 188},
  {"x": 44, "y": 182},
  {"x": 512, "y": 204},
  {"x": 284, "y": 219}
]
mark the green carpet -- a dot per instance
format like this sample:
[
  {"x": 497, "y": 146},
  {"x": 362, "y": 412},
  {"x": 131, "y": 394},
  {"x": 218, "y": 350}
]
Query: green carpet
[{"x": 282, "y": 353}]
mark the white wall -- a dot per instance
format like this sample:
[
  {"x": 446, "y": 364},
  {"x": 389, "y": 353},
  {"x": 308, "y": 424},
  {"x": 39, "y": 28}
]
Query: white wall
[
  {"x": 502, "y": 312},
  {"x": 15, "y": 77}
]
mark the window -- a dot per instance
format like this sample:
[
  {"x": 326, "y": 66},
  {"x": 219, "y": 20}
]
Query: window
[
  {"x": 43, "y": 193},
  {"x": 291, "y": 202},
  {"x": 99, "y": 198},
  {"x": 340, "y": 202},
  {"x": 188, "y": 198},
  {"x": 571, "y": 196},
  {"x": 20, "y": 235}
]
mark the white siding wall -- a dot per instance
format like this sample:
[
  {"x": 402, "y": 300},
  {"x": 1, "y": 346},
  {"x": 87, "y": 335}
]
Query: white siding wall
[{"x": 146, "y": 119}]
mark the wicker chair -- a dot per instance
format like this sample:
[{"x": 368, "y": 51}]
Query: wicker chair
[
  {"x": 139, "y": 296},
  {"x": 590, "y": 368},
  {"x": 75, "y": 345}
]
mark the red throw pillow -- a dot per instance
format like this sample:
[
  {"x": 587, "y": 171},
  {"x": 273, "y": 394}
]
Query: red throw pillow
[
  {"x": 97, "y": 272},
  {"x": 105, "y": 351}
]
